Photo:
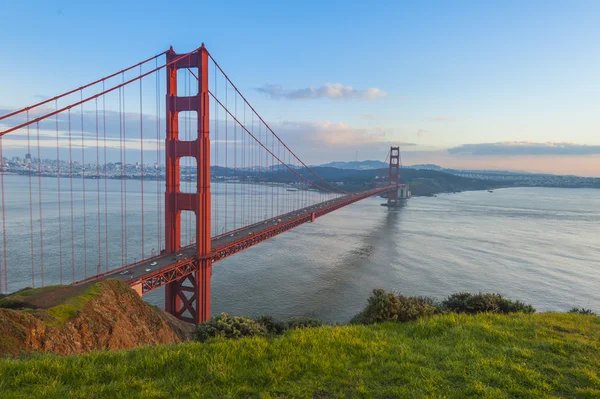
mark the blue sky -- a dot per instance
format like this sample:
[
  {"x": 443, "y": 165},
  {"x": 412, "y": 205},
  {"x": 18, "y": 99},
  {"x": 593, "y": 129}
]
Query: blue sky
[{"x": 522, "y": 75}]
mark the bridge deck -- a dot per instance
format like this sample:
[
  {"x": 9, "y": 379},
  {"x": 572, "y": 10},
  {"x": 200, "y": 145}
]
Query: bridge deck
[{"x": 157, "y": 271}]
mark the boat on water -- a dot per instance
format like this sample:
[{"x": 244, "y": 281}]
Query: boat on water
[
  {"x": 490, "y": 191},
  {"x": 291, "y": 189}
]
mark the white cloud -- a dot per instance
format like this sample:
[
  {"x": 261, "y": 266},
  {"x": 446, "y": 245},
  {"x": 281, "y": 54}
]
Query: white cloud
[
  {"x": 334, "y": 91},
  {"x": 509, "y": 148}
]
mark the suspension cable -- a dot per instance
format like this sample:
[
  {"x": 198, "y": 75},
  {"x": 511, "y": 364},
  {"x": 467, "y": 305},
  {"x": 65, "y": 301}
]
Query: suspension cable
[
  {"x": 79, "y": 88},
  {"x": 271, "y": 130},
  {"x": 263, "y": 146},
  {"x": 41, "y": 118}
]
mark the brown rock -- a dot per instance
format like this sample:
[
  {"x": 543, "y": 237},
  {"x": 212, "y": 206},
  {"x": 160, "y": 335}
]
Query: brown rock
[{"x": 113, "y": 317}]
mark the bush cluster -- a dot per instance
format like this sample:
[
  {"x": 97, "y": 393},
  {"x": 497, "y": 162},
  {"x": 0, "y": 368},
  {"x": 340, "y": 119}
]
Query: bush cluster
[
  {"x": 582, "y": 311},
  {"x": 381, "y": 306},
  {"x": 465, "y": 302},
  {"x": 387, "y": 306},
  {"x": 227, "y": 326}
]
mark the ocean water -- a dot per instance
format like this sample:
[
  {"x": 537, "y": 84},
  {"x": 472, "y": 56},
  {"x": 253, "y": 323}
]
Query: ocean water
[{"x": 539, "y": 245}]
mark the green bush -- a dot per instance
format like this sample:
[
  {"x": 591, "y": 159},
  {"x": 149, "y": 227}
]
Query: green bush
[
  {"x": 582, "y": 311},
  {"x": 465, "y": 302},
  {"x": 228, "y": 326},
  {"x": 387, "y": 306},
  {"x": 304, "y": 322},
  {"x": 272, "y": 326}
]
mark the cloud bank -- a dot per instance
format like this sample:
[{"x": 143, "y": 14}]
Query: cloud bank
[
  {"x": 327, "y": 133},
  {"x": 314, "y": 141},
  {"x": 336, "y": 91},
  {"x": 516, "y": 148}
]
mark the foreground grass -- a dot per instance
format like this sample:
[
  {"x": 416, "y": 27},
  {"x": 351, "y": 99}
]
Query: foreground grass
[{"x": 458, "y": 356}]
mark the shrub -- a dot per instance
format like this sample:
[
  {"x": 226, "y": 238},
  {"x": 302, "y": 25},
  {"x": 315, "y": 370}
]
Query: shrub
[
  {"x": 465, "y": 302},
  {"x": 304, "y": 322},
  {"x": 272, "y": 326},
  {"x": 387, "y": 306},
  {"x": 228, "y": 326},
  {"x": 582, "y": 311}
]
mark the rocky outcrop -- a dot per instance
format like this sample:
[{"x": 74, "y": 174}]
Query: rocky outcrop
[{"x": 103, "y": 316}]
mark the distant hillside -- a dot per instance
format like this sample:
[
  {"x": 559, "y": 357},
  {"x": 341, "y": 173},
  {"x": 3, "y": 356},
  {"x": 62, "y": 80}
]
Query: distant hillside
[
  {"x": 357, "y": 165},
  {"x": 492, "y": 178},
  {"x": 429, "y": 166},
  {"x": 422, "y": 182}
]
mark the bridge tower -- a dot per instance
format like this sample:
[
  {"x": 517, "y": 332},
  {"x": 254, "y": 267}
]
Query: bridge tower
[
  {"x": 394, "y": 176},
  {"x": 189, "y": 297}
]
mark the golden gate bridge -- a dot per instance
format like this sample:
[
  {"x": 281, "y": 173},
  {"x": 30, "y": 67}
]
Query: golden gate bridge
[{"x": 185, "y": 111}]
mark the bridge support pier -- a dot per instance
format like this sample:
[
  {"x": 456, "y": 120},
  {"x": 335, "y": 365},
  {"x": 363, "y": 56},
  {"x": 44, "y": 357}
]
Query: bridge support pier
[{"x": 189, "y": 297}]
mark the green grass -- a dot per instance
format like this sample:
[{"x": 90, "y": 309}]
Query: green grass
[
  {"x": 17, "y": 299},
  {"x": 72, "y": 306},
  {"x": 454, "y": 356},
  {"x": 61, "y": 313}
]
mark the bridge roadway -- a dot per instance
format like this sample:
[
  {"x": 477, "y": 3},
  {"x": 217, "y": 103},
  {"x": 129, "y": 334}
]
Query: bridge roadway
[{"x": 157, "y": 271}]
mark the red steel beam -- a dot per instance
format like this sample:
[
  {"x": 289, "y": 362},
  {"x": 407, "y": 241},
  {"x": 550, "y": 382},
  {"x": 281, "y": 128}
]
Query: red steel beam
[{"x": 185, "y": 267}]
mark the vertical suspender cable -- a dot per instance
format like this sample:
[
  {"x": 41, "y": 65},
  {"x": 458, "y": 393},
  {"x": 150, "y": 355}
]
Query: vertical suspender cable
[
  {"x": 71, "y": 195},
  {"x": 252, "y": 208},
  {"x": 122, "y": 176},
  {"x": 2, "y": 212},
  {"x": 226, "y": 159},
  {"x": 99, "y": 227},
  {"x": 278, "y": 179},
  {"x": 158, "y": 205},
  {"x": 83, "y": 182},
  {"x": 39, "y": 161},
  {"x": 60, "y": 256},
  {"x": 263, "y": 209},
  {"x": 244, "y": 169},
  {"x": 125, "y": 175},
  {"x": 235, "y": 187},
  {"x": 142, "y": 160},
  {"x": 105, "y": 182},
  {"x": 272, "y": 166},
  {"x": 28, "y": 160}
]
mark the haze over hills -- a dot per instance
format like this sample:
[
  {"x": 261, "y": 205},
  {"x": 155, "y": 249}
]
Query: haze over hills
[
  {"x": 370, "y": 164},
  {"x": 494, "y": 177},
  {"x": 357, "y": 165}
]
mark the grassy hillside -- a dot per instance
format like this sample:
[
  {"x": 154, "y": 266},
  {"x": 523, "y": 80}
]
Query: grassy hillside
[
  {"x": 451, "y": 355},
  {"x": 422, "y": 181}
]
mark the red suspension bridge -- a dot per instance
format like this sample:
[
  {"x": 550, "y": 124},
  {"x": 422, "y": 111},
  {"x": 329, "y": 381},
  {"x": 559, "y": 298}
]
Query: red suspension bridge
[{"x": 101, "y": 192}]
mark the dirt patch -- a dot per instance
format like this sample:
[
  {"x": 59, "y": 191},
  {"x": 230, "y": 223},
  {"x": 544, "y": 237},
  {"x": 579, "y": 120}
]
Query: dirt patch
[{"x": 76, "y": 319}]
